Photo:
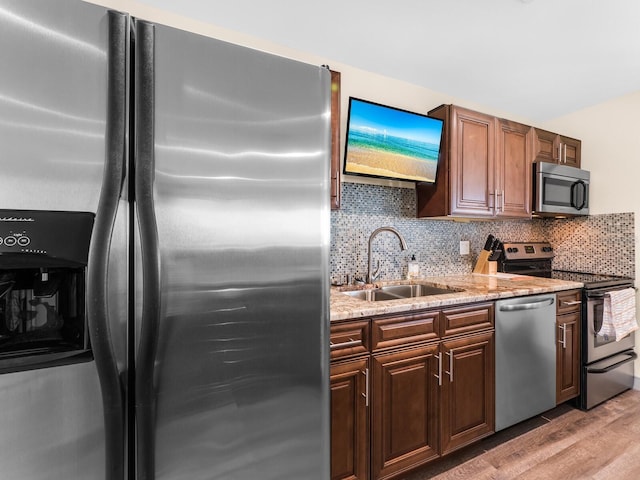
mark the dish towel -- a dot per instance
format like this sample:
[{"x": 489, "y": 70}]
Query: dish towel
[{"x": 619, "y": 313}]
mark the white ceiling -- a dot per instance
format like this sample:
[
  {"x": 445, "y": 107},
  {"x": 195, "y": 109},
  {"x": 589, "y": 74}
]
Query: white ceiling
[{"x": 537, "y": 59}]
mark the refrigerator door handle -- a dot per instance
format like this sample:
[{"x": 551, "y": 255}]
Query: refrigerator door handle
[
  {"x": 111, "y": 190},
  {"x": 144, "y": 178}
]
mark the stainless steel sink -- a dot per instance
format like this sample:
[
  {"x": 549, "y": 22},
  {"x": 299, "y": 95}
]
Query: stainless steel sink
[
  {"x": 415, "y": 290},
  {"x": 374, "y": 295},
  {"x": 396, "y": 292}
]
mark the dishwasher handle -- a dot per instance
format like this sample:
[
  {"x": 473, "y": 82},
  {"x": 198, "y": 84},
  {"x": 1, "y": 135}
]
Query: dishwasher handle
[{"x": 528, "y": 306}]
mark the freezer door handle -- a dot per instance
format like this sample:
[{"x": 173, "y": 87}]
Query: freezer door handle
[
  {"x": 98, "y": 264},
  {"x": 149, "y": 247}
]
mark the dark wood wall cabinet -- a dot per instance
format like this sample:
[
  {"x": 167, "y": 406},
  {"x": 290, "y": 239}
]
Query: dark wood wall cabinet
[
  {"x": 485, "y": 165},
  {"x": 423, "y": 388},
  {"x": 554, "y": 148},
  {"x": 568, "y": 345}
]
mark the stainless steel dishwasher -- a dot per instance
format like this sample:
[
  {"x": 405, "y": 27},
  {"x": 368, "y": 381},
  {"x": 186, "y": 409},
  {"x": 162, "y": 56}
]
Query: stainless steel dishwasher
[{"x": 525, "y": 358}]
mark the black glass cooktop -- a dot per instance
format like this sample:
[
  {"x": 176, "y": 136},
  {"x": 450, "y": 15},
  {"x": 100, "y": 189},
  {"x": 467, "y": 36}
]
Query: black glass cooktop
[{"x": 591, "y": 280}]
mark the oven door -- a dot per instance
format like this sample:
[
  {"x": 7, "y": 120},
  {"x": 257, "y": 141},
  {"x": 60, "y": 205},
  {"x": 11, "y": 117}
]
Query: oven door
[{"x": 600, "y": 346}]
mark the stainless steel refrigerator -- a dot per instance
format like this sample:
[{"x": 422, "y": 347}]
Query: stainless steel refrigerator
[{"x": 206, "y": 165}]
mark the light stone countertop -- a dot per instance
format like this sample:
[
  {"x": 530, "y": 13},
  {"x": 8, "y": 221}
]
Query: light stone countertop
[{"x": 475, "y": 288}]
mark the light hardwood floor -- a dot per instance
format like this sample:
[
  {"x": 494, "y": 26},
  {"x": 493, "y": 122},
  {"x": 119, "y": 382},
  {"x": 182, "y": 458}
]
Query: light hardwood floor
[{"x": 563, "y": 444}]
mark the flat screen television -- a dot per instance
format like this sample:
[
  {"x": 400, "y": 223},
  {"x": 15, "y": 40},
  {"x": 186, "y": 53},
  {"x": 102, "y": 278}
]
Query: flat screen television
[{"x": 387, "y": 142}]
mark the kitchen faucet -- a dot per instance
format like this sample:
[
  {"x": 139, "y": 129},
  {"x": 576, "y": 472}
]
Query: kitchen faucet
[{"x": 373, "y": 275}]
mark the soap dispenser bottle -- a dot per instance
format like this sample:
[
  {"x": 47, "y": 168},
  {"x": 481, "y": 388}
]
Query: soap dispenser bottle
[{"x": 413, "y": 268}]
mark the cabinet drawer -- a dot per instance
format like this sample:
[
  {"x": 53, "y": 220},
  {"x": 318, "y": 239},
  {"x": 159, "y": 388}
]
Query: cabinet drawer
[
  {"x": 404, "y": 329},
  {"x": 569, "y": 301},
  {"x": 456, "y": 321},
  {"x": 350, "y": 338}
]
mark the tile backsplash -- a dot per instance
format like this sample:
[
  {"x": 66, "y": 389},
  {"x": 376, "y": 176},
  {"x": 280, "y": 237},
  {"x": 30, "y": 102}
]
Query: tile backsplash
[{"x": 597, "y": 243}]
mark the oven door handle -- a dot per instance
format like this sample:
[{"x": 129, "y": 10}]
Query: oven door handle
[
  {"x": 617, "y": 287},
  {"x": 632, "y": 357},
  {"x": 595, "y": 295}
]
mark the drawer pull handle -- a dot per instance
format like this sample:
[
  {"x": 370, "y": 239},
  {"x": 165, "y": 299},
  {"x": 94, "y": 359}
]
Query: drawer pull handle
[
  {"x": 570, "y": 304},
  {"x": 350, "y": 343}
]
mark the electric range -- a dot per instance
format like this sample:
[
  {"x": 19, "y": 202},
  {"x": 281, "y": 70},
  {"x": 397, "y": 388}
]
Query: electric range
[{"x": 607, "y": 365}]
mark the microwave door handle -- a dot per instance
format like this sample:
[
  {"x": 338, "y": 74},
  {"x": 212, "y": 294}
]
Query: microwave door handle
[
  {"x": 581, "y": 193},
  {"x": 572, "y": 194},
  {"x": 583, "y": 203}
]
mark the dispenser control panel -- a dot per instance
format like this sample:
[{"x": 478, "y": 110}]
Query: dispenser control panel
[{"x": 63, "y": 235}]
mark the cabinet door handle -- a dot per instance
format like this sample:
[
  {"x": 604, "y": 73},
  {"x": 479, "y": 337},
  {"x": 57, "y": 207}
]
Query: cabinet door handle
[
  {"x": 496, "y": 201},
  {"x": 502, "y": 201},
  {"x": 563, "y": 342},
  {"x": 439, "y": 376},
  {"x": 559, "y": 153},
  {"x": 565, "y": 153},
  {"x": 366, "y": 387},
  {"x": 450, "y": 372}
]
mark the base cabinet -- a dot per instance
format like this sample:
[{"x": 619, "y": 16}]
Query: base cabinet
[
  {"x": 405, "y": 404},
  {"x": 349, "y": 420},
  {"x": 404, "y": 424},
  {"x": 468, "y": 391},
  {"x": 430, "y": 401},
  {"x": 568, "y": 345}
]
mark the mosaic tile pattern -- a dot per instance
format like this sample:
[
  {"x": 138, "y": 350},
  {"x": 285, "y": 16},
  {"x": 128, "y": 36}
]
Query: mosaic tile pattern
[
  {"x": 580, "y": 243},
  {"x": 595, "y": 244}
]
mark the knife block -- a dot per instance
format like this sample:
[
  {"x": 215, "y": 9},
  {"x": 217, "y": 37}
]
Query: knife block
[
  {"x": 484, "y": 265},
  {"x": 481, "y": 264}
]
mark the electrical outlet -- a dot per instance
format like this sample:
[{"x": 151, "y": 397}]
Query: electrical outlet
[{"x": 464, "y": 247}]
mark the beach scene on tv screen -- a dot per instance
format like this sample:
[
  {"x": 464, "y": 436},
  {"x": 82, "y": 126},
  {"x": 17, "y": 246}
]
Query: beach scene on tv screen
[{"x": 385, "y": 142}]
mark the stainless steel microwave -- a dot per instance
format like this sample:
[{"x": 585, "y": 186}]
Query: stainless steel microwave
[{"x": 560, "y": 190}]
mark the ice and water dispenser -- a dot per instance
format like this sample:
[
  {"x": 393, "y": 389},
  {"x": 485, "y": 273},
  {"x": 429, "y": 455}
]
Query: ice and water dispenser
[{"x": 43, "y": 262}]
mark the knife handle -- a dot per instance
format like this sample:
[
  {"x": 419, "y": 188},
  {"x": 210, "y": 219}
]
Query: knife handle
[{"x": 488, "y": 244}]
